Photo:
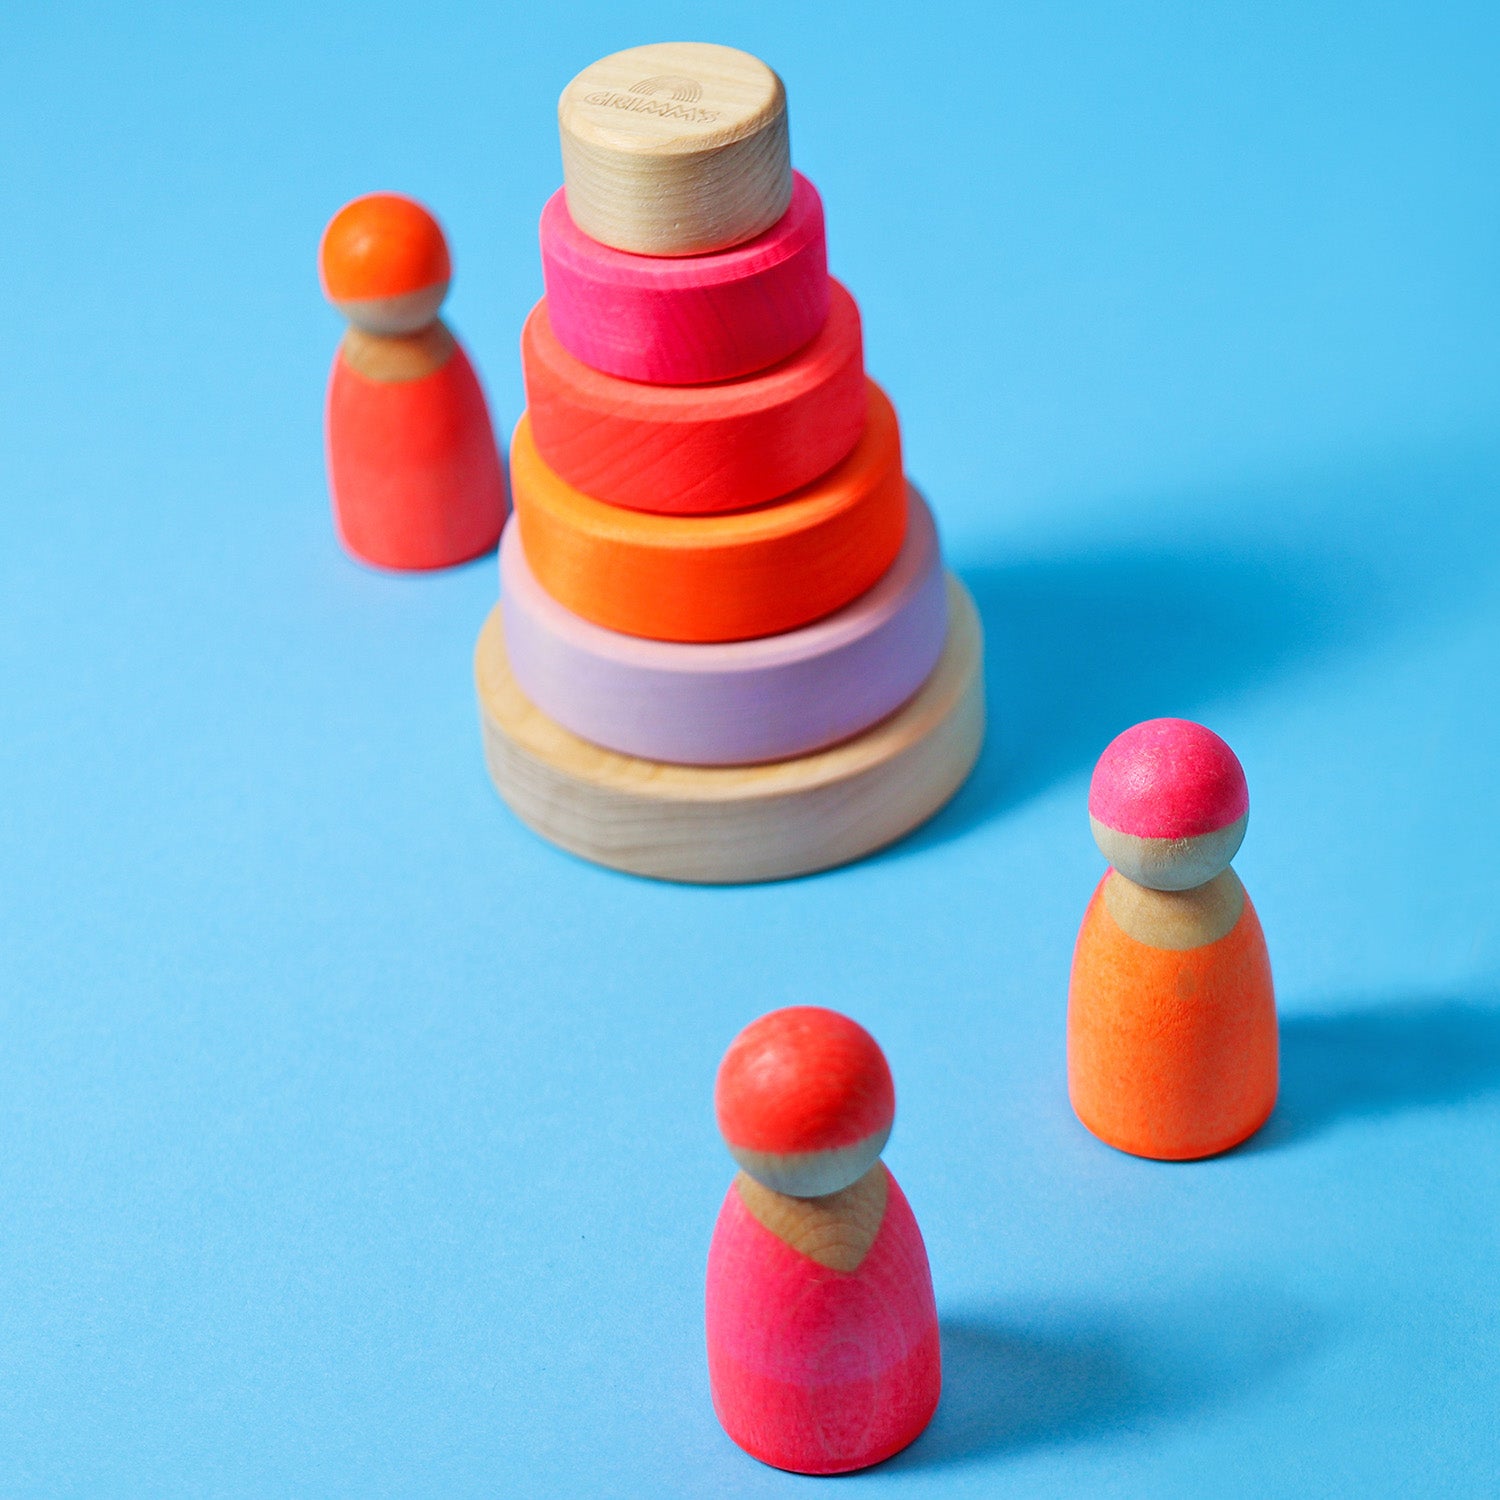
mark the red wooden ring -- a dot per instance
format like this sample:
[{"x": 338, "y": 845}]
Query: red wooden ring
[
  {"x": 685, "y": 320},
  {"x": 693, "y": 450},
  {"x": 717, "y": 578}
]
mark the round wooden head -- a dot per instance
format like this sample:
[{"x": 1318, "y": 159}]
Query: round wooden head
[
  {"x": 1168, "y": 804},
  {"x": 805, "y": 1100},
  {"x": 384, "y": 264},
  {"x": 676, "y": 148}
]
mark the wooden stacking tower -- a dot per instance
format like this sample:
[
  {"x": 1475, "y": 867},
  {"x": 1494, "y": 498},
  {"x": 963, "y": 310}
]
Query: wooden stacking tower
[{"x": 726, "y": 648}]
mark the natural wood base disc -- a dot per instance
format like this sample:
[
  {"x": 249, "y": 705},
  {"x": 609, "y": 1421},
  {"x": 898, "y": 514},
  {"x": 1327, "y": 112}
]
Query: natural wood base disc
[{"x": 728, "y": 824}]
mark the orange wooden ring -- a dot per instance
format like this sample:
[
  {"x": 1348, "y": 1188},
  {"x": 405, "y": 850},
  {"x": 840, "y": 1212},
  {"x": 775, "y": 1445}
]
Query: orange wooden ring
[
  {"x": 690, "y": 450},
  {"x": 717, "y": 578}
]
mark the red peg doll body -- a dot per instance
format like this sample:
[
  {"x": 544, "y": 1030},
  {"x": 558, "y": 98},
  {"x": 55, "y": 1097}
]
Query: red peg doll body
[{"x": 413, "y": 467}]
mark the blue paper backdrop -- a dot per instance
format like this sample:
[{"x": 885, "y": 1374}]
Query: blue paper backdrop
[{"x": 355, "y": 1143}]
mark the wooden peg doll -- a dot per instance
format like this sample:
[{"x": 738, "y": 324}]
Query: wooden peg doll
[
  {"x": 1172, "y": 1040},
  {"x": 823, "y": 1348},
  {"x": 413, "y": 468}
]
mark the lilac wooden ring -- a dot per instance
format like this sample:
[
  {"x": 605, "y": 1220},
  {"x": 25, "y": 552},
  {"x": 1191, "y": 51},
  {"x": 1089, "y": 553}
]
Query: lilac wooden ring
[
  {"x": 741, "y": 702},
  {"x": 688, "y": 319}
]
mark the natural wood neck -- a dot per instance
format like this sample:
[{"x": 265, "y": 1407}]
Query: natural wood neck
[
  {"x": 1175, "y": 920},
  {"x": 836, "y": 1231},
  {"x": 392, "y": 358}
]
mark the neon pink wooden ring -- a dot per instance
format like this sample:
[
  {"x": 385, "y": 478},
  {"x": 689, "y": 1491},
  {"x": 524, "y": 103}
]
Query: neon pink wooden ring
[
  {"x": 686, "y": 320},
  {"x": 740, "y": 702}
]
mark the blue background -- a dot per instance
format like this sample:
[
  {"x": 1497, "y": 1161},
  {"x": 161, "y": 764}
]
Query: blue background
[{"x": 355, "y": 1143}]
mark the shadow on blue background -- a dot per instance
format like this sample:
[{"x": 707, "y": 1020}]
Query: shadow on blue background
[
  {"x": 1081, "y": 648},
  {"x": 1078, "y": 649},
  {"x": 1380, "y": 1060},
  {"x": 1081, "y": 644},
  {"x": 1016, "y": 1380}
]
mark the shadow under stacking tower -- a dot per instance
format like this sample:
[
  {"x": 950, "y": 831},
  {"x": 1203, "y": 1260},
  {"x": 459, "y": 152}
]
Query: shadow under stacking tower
[{"x": 726, "y": 647}]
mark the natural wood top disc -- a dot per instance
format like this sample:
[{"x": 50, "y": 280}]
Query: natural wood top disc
[
  {"x": 676, "y": 148},
  {"x": 721, "y": 824}
]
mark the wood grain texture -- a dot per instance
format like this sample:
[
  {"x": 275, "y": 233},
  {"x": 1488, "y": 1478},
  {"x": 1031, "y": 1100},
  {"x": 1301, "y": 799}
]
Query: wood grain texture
[
  {"x": 1168, "y": 779},
  {"x": 1176, "y": 864},
  {"x": 836, "y": 1230},
  {"x": 1178, "y": 920},
  {"x": 1172, "y": 1052},
  {"x": 723, "y": 577},
  {"x": 728, "y": 825},
  {"x": 392, "y": 358},
  {"x": 685, "y": 320},
  {"x": 805, "y": 1101},
  {"x": 403, "y": 312},
  {"x": 414, "y": 474},
  {"x": 814, "y": 1368},
  {"x": 675, "y": 148},
  {"x": 813, "y": 1173},
  {"x": 691, "y": 450},
  {"x": 736, "y": 702}
]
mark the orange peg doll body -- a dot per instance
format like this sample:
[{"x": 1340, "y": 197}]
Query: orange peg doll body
[
  {"x": 1172, "y": 1037},
  {"x": 413, "y": 467}
]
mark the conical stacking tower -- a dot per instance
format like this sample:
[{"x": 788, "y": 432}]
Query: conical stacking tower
[{"x": 726, "y": 648}]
